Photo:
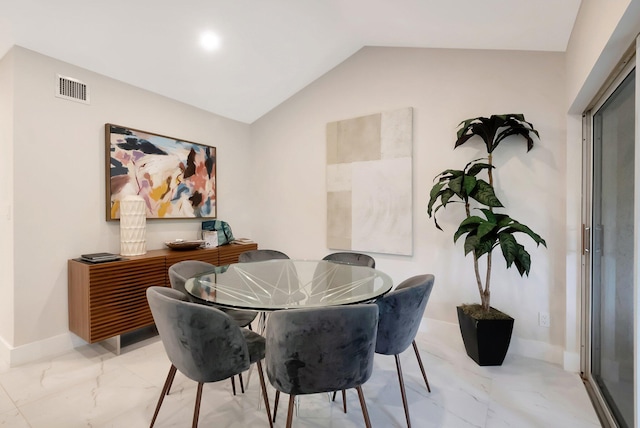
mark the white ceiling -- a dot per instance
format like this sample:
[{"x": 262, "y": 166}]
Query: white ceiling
[{"x": 270, "y": 48}]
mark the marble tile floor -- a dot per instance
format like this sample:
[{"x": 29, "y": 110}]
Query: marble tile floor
[{"x": 91, "y": 387}]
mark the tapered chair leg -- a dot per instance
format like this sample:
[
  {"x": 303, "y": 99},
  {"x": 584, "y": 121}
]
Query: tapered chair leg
[
  {"x": 241, "y": 383},
  {"x": 363, "y": 404},
  {"x": 170, "y": 379},
  {"x": 264, "y": 394},
  {"x": 402, "y": 391},
  {"x": 292, "y": 404},
  {"x": 344, "y": 399},
  {"x": 233, "y": 385},
  {"x": 196, "y": 410},
  {"x": 165, "y": 391},
  {"x": 424, "y": 375},
  {"x": 275, "y": 405}
]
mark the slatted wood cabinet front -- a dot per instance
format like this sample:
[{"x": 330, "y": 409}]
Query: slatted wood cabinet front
[{"x": 108, "y": 299}]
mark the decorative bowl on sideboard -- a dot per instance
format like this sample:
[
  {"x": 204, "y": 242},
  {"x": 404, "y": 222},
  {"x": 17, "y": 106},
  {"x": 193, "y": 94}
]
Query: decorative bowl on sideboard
[{"x": 180, "y": 244}]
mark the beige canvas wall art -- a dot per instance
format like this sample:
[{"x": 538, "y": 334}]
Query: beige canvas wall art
[{"x": 369, "y": 183}]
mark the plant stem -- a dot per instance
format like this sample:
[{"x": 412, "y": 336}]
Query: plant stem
[
  {"x": 490, "y": 157},
  {"x": 476, "y": 268},
  {"x": 485, "y": 296}
]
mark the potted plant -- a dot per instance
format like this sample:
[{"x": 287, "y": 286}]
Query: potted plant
[{"x": 486, "y": 331}]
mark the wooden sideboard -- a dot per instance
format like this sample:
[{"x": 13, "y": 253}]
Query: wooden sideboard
[{"x": 108, "y": 299}]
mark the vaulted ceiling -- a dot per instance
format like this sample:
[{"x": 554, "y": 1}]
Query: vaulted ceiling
[{"x": 269, "y": 49}]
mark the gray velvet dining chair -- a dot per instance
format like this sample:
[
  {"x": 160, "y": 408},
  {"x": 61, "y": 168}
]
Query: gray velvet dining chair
[
  {"x": 261, "y": 256},
  {"x": 203, "y": 343},
  {"x": 350, "y": 258},
  {"x": 180, "y": 272},
  {"x": 400, "y": 312},
  {"x": 319, "y": 350}
]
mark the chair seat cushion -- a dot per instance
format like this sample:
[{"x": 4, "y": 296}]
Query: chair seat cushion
[{"x": 256, "y": 345}]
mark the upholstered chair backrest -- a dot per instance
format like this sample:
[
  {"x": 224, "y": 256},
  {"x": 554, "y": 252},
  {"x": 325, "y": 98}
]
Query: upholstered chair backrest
[
  {"x": 321, "y": 349},
  {"x": 358, "y": 259},
  {"x": 180, "y": 272},
  {"x": 401, "y": 312},
  {"x": 261, "y": 255},
  {"x": 201, "y": 341}
]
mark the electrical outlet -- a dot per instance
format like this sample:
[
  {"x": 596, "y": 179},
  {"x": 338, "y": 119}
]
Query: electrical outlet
[{"x": 544, "y": 319}]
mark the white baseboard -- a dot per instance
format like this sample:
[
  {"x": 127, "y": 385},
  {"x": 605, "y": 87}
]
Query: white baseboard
[
  {"x": 523, "y": 347},
  {"x": 41, "y": 349},
  {"x": 537, "y": 349},
  {"x": 571, "y": 361},
  {"x": 5, "y": 353}
]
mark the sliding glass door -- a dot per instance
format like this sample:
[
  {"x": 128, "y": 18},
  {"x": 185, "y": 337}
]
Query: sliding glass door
[{"x": 610, "y": 254}]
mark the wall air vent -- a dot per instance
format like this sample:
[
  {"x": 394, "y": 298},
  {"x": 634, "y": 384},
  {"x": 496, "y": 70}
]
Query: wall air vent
[{"x": 72, "y": 89}]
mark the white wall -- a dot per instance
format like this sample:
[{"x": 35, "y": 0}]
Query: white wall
[
  {"x": 592, "y": 53},
  {"x": 59, "y": 185},
  {"x": 444, "y": 87},
  {"x": 603, "y": 32},
  {"x": 6, "y": 206}
]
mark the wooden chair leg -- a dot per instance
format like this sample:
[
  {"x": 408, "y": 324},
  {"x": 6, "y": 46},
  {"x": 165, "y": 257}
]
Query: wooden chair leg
[
  {"x": 292, "y": 404},
  {"x": 233, "y": 385},
  {"x": 170, "y": 379},
  {"x": 275, "y": 405},
  {"x": 165, "y": 391},
  {"x": 402, "y": 391},
  {"x": 241, "y": 383},
  {"x": 264, "y": 394},
  {"x": 424, "y": 375},
  {"x": 363, "y": 404},
  {"x": 344, "y": 399},
  {"x": 196, "y": 410}
]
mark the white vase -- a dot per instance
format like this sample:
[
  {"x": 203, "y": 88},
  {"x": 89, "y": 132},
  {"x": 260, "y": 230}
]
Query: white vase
[{"x": 133, "y": 225}]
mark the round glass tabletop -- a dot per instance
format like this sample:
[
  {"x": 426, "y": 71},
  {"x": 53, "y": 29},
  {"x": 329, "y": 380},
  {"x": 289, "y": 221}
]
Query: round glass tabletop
[{"x": 286, "y": 284}]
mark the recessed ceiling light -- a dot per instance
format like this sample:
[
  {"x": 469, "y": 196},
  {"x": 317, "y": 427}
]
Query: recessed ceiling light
[{"x": 209, "y": 41}]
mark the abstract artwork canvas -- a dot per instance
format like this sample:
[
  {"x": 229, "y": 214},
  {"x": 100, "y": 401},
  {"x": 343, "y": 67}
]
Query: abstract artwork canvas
[
  {"x": 369, "y": 183},
  {"x": 176, "y": 178}
]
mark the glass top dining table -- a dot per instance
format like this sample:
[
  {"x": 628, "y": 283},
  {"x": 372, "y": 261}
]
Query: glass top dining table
[{"x": 286, "y": 284}]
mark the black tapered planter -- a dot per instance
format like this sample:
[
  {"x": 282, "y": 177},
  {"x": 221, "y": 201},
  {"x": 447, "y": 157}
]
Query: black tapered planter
[{"x": 486, "y": 341}]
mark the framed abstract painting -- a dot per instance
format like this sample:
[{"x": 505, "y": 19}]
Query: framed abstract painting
[{"x": 176, "y": 178}]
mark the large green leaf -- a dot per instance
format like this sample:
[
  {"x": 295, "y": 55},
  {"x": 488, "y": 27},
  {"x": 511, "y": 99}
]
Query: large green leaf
[
  {"x": 464, "y": 228},
  {"x": 502, "y": 220},
  {"x": 519, "y": 227},
  {"x": 469, "y": 184},
  {"x": 434, "y": 195},
  {"x": 449, "y": 174},
  {"x": 509, "y": 247},
  {"x": 524, "y": 132},
  {"x": 470, "y": 244},
  {"x": 523, "y": 261},
  {"x": 477, "y": 168},
  {"x": 485, "y": 228},
  {"x": 485, "y": 194},
  {"x": 446, "y": 195},
  {"x": 482, "y": 246},
  {"x": 489, "y": 215},
  {"x": 456, "y": 185},
  {"x": 474, "y": 219},
  {"x": 494, "y": 129}
]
